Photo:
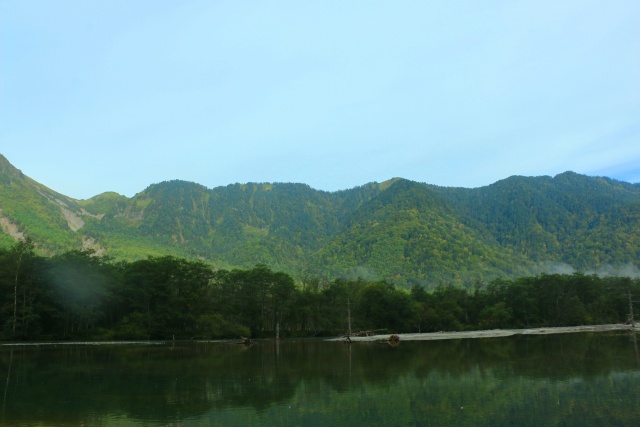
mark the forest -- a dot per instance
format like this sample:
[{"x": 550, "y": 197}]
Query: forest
[
  {"x": 399, "y": 231},
  {"x": 78, "y": 295}
]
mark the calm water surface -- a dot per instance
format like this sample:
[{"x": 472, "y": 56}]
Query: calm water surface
[{"x": 554, "y": 380}]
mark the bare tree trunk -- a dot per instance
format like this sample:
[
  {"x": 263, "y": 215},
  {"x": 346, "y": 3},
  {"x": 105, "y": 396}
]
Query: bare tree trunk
[
  {"x": 633, "y": 324},
  {"x": 349, "y": 317}
]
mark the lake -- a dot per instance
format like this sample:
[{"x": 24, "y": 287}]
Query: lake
[{"x": 589, "y": 379}]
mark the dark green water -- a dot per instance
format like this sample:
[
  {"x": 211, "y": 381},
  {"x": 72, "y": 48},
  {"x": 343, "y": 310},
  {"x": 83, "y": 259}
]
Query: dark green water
[{"x": 561, "y": 380}]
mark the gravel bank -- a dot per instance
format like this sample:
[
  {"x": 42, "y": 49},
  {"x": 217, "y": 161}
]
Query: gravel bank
[{"x": 495, "y": 333}]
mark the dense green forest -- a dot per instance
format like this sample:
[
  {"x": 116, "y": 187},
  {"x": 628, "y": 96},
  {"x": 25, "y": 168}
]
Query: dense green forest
[
  {"x": 78, "y": 295},
  {"x": 398, "y": 231}
]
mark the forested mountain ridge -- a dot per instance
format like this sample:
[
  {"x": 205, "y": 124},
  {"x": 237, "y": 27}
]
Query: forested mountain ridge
[
  {"x": 27, "y": 207},
  {"x": 402, "y": 231},
  {"x": 583, "y": 221}
]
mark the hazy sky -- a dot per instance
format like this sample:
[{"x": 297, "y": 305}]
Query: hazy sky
[{"x": 116, "y": 95}]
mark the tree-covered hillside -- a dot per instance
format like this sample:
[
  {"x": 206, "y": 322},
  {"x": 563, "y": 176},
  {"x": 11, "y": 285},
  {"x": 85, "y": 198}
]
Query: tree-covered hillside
[
  {"x": 582, "y": 221},
  {"x": 29, "y": 208},
  {"x": 401, "y": 231},
  {"x": 409, "y": 232}
]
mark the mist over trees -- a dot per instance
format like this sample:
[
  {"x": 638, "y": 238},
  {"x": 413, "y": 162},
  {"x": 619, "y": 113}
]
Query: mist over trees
[{"x": 78, "y": 295}]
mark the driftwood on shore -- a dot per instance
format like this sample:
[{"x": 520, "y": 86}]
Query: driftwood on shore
[
  {"x": 347, "y": 337},
  {"x": 244, "y": 341}
]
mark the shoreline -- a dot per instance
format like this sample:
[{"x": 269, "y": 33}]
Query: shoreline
[
  {"x": 494, "y": 333},
  {"x": 423, "y": 336}
]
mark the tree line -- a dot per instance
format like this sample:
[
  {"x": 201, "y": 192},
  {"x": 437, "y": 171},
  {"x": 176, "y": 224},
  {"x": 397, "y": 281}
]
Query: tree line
[{"x": 78, "y": 295}]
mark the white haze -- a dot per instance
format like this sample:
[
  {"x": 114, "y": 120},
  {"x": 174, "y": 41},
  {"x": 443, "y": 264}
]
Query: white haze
[{"x": 608, "y": 270}]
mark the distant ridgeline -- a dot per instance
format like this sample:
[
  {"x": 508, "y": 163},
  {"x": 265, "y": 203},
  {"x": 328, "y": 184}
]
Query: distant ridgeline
[{"x": 404, "y": 232}]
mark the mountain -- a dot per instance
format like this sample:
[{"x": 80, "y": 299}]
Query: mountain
[
  {"x": 582, "y": 221},
  {"x": 402, "y": 231},
  {"x": 27, "y": 207}
]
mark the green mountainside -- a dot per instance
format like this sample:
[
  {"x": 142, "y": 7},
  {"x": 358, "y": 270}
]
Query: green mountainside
[
  {"x": 29, "y": 208},
  {"x": 402, "y": 231},
  {"x": 582, "y": 221}
]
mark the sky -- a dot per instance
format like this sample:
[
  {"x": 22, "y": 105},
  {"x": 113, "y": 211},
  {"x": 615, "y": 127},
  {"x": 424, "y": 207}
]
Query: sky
[{"x": 118, "y": 95}]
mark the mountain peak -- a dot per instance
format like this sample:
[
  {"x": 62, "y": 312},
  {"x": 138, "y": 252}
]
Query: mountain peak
[{"x": 7, "y": 170}]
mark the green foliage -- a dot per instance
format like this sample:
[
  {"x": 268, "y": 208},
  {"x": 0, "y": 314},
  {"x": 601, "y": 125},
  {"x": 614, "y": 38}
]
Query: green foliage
[
  {"x": 401, "y": 232},
  {"x": 20, "y": 290},
  {"x": 80, "y": 284},
  {"x": 78, "y": 295},
  {"x": 585, "y": 222},
  {"x": 495, "y": 316},
  {"x": 105, "y": 203}
]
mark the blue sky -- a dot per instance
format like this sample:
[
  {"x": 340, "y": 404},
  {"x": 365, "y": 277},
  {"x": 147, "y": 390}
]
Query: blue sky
[{"x": 118, "y": 95}]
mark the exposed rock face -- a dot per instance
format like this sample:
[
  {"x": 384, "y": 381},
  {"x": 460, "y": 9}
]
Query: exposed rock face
[
  {"x": 10, "y": 228},
  {"x": 90, "y": 243},
  {"x": 84, "y": 212},
  {"x": 74, "y": 221}
]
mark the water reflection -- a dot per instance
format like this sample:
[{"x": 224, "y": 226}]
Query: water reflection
[{"x": 581, "y": 379}]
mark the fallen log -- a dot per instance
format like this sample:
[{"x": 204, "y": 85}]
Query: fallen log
[{"x": 367, "y": 333}]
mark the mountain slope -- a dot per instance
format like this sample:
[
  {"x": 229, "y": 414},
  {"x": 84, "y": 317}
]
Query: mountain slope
[
  {"x": 30, "y": 208},
  {"x": 410, "y": 231},
  {"x": 582, "y": 221},
  {"x": 398, "y": 230}
]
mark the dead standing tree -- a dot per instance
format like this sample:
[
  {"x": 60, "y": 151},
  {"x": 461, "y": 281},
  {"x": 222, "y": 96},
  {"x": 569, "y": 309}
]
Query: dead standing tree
[
  {"x": 348, "y": 337},
  {"x": 631, "y": 319}
]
